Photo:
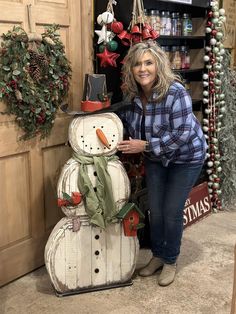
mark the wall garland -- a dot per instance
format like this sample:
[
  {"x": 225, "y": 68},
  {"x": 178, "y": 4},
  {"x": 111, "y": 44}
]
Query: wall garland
[
  {"x": 214, "y": 99},
  {"x": 34, "y": 78}
]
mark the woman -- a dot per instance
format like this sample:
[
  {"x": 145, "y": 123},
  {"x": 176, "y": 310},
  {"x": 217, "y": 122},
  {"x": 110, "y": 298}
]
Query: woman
[{"x": 161, "y": 124}]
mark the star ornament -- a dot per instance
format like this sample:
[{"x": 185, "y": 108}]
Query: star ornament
[
  {"x": 108, "y": 58},
  {"x": 104, "y": 35}
]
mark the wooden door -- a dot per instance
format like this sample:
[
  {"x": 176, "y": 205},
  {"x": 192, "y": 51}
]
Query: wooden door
[{"x": 29, "y": 170}]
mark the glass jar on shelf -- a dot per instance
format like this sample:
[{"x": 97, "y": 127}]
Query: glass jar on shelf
[
  {"x": 152, "y": 19},
  {"x": 176, "y": 25},
  {"x": 187, "y": 25},
  {"x": 147, "y": 16},
  {"x": 167, "y": 51},
  {"x": 185, "y": 57},
  {"x": 165, "y": 20},
  {"x": 155, "y": 20},
  {"x": 175, "y": 58},
  {"x": 158, "y": 21}
]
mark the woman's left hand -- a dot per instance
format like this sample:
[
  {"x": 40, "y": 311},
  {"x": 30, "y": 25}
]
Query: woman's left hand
[{"x": 131, "y": 146}]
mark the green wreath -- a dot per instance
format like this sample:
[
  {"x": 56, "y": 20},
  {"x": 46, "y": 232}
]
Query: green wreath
[{"x": 34, "y": 78}]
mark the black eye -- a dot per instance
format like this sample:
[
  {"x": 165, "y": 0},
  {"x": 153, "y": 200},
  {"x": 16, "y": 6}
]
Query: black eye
[{"x": 94, "y": 126}]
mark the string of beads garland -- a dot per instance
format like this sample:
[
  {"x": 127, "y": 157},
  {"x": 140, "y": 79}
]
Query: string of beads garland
[
  {"x": 34, "y": 79},
  {"x": 214, "y": 99}
]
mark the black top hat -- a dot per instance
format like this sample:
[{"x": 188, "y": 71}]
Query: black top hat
[{"x": 95, "y": 97}]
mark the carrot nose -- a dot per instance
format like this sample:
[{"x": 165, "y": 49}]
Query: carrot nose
[{"x": 102, "y": 138}]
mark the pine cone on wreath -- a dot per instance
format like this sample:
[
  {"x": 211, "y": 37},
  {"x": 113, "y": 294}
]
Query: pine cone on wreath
[
  {"x": 35, "y": 72},
  {"x": 33, "y": 56},
  {"x": 39, "y": 60},
  {"x": 43, "y": 62}
]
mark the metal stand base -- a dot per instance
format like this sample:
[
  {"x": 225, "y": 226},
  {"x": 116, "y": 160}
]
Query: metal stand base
[{"x": 92, "y": 289}]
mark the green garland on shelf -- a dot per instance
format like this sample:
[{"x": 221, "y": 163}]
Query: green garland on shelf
[{"x": 34, "y": 78}]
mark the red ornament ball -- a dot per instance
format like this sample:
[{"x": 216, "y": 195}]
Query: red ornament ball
[
  {"x": 117, "y": 27},
  {"x": 210, "y": 14},
  {"x": 213, "y": 32}
]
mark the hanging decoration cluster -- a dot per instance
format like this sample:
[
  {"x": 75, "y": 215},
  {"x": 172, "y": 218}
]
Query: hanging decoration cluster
[
  {"x": 34, "y": 78},
  {"x": 137, "y": 31},
  {"x": 110, "y": 27},
  {"x": 214, "y": 99}
]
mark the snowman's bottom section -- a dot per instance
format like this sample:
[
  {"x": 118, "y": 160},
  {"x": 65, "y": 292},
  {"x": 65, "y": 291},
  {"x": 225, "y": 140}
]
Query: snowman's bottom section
[{"x": 89, "y": 259}]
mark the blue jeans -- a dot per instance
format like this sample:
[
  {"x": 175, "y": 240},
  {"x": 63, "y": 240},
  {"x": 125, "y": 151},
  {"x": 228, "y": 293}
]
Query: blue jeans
[{"x": 168, "y": 189}]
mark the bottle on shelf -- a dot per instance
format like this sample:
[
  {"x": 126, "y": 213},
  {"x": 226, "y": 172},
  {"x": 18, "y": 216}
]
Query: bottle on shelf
[
  {"x": 155, "y": 20},
  {"x": 146, "y": 16},
  {"x": 167, "y": 51},
  {"x": 175, "y": 58},
  {"x": 187, "y": 25},
  {"x": 176, "y": 25},
  {"x": 165, "y": 23},
  {"x": 185, "y": 57}
]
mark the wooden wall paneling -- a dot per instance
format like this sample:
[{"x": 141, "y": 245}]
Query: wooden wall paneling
[
  {"x": 53, "y": 161},
  {"x": 14, "y": 199},
  {"x": 29, "y": 169},
  {"x": 82, "y": 44}
]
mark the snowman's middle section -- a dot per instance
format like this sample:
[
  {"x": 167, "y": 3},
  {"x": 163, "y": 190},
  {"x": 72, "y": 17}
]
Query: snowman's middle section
[{"x": 68, "y": 183}]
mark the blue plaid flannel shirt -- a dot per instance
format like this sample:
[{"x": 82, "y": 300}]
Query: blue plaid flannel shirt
[{"x": 174, "y": 133}]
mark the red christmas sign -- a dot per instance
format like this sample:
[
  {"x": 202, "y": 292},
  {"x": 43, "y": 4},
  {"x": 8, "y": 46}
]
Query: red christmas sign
[{"x": 198, "y": 204}]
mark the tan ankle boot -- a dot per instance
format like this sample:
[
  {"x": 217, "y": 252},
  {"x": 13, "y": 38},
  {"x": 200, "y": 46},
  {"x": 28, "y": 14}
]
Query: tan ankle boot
[
  {"x": 154, "y": 264},
  {"x": 167, "y": 275}
]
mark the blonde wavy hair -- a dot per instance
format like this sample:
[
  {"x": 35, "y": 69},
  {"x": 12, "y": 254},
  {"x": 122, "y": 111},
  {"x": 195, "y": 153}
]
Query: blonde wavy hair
[{"x": 165, "y": 76}]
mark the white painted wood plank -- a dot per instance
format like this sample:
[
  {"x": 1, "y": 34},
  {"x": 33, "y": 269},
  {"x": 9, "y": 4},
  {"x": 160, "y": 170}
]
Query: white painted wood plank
[
  {"x": 84, "y": 259},
  {"x": 113, "y": 252},
  {"x": 70, "y": 258},
  {"x": 98, "y": 270},
  {"x": 129, "y": 254}
]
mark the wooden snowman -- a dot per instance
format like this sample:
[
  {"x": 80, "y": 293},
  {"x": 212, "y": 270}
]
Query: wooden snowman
[{"x": 88, "y": 249}]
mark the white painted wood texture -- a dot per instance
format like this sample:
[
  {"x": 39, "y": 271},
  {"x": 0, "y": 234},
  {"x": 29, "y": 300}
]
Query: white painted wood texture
[
  {"x": 82, "y": 134},
  {"x": 68, "y": 183},
  {"x": 91, "y": 257}
]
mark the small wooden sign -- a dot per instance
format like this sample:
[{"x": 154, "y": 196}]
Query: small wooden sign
[{"x": 197, "y": 205}]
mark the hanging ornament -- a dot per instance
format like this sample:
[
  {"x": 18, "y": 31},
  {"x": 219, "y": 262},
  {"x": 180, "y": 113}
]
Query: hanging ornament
[
  {"x": 107, "y": 17},
  {"x": 107, "y": 58},
  {"x": 99, "y": 20},
  {"x": 104, "y": 35},
  {"x": 112, "y": 45},
  {"x": 117, "y": 27}
]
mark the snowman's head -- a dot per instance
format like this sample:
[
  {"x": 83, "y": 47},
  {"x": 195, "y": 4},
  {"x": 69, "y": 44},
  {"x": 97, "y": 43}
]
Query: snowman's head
[{"x": 96, "y": 135}]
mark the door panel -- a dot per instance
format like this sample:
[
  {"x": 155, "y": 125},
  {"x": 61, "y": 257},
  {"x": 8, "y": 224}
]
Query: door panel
[{"x": 29, "y": 170}]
